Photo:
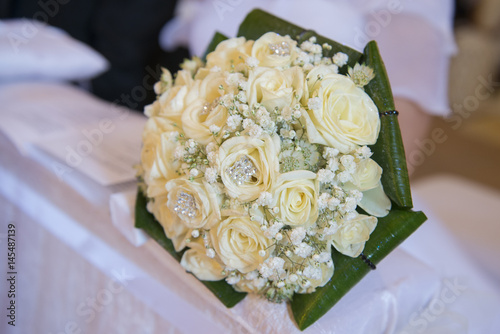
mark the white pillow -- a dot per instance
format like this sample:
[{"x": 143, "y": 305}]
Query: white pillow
[{"x": 32, "y": 50}]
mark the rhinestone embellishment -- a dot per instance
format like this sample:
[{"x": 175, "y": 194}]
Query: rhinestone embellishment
[
  {"x": 208, "y": 107},
  {"x": 186, "y": 205},
  {"x": 280, "y": 49},
  {"x": 242, "y": 170}
]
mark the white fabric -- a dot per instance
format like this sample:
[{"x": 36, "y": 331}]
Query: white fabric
[
  {"x": 31, "y": 50},
  {"x": 121, "y": 206},
  {"x": 415, "y": 37}
]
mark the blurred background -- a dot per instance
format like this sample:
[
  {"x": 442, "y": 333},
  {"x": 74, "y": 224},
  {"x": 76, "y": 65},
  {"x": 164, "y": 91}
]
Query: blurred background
[{"x": 472, "y": 149}]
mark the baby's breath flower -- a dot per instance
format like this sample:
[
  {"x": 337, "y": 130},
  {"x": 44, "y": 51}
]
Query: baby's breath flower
[
  {"x": 211, "y": 175},
  {"x": 298, "y": 234},
  {"x": 252, "y": 62},
  {"x": 314, "y": 103},
  {"x": 340, "y": 59}
]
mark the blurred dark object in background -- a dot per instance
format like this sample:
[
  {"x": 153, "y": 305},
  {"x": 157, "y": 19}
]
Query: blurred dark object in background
[{"x": 125, "y": 32}]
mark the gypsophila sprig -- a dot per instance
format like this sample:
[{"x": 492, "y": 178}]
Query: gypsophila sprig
[{"x": 257, "y": 161}]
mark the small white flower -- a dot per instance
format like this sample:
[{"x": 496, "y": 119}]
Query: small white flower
[
  {"x": 214, "y": 129},
  {"x": 211, "y": 253},
  {"x": 247, "y": 123},
  {"x": 265, "y": 199},
  {"x": 330, "y": 153},
  {"x": 340, "y": 59},
  {"x": 325, "y": 176},
  {"x": 333, "y": 203},
  {"x": 211, "y": 175},
  {"x": 344, "y": 176},
  {"x": 314, "y": 103},
  {"x": 273, "y": 230},
  {"x": 350, "y": 204},
  {"x": 179, "y": 152},
  {"x": 233, "y": 122},
  {"x": 333, "y": 164},
  {"x": 312, "y": 272},
  {"x": 303, "y": 250},
  {"x": 255, "y": 131},
  {"x": 233, "y": 279},
  {"x": 297, "y": 113},
  {"x": 252, "y": 275},
  {"x": 252, "y": 62},
  {"x": 298, "y": 234},
  {"x": 363, "y": 152},
  {"x": 348, "y": 162},
  {"x": 193, "y": 172},
  {"x": 323, "y": 201}
]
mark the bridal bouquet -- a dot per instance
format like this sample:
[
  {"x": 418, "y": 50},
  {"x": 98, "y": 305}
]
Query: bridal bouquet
[{"x": 271, "y": 165}]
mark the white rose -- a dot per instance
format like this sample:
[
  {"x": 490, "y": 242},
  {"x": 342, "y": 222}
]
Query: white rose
[
  {"x": 209, "y": 87},
  {"x": 196, "y": 261},
  {"x": 197, "y": 204},
  {"x": 174, "y": 100},
  {"x": 238, "y": 240},
  {"x": 347, "y": 116},
  {"x": 352, "y": 235},
  {"x": 229, "y": 53},
  {"x": 253, "y": 153},
  {"x": 296, "y": 196},
  {"x": 174, "y": 229},
  {"x": 273, "y": 50},
  {"x": 274, "y": 88},
  {"x": 366, "y": 178},
  {"x": 157, "y": 154},
  {"x": 314, "y": 76},
  {"x": 196, "y": 121}
]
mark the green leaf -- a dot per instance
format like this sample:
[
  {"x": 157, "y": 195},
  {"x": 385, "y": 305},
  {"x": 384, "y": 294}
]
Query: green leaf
[
  {"x": 147, "y": 222},
  {"x": 390, "y": 232},
  {"x": 388, "y": 152}
]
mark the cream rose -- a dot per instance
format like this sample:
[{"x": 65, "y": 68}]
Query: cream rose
[
  {"x": 273, "y": 50},
  {"x": 196, "y": 203},
  {"x": 249, "y": 166},
  {"x": 198, "y": 117},
  {"x": 157, "y": 155},
  {"x": 174, "y": 229},
  {"x": 366, "y": 178},
  {"x": 314, "y": 76},
  {"x": 230, "y": 54},
  {"x": 238, "y": 240},
  {"x": 274, "y": 88},
  {"x": 352, "y": 235},
  {"x": 175, "y": 99},
  {"x": 344, "y": 117},
  {"x": 296, "y": 196},
  {"x": 196, "y": 261}
]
